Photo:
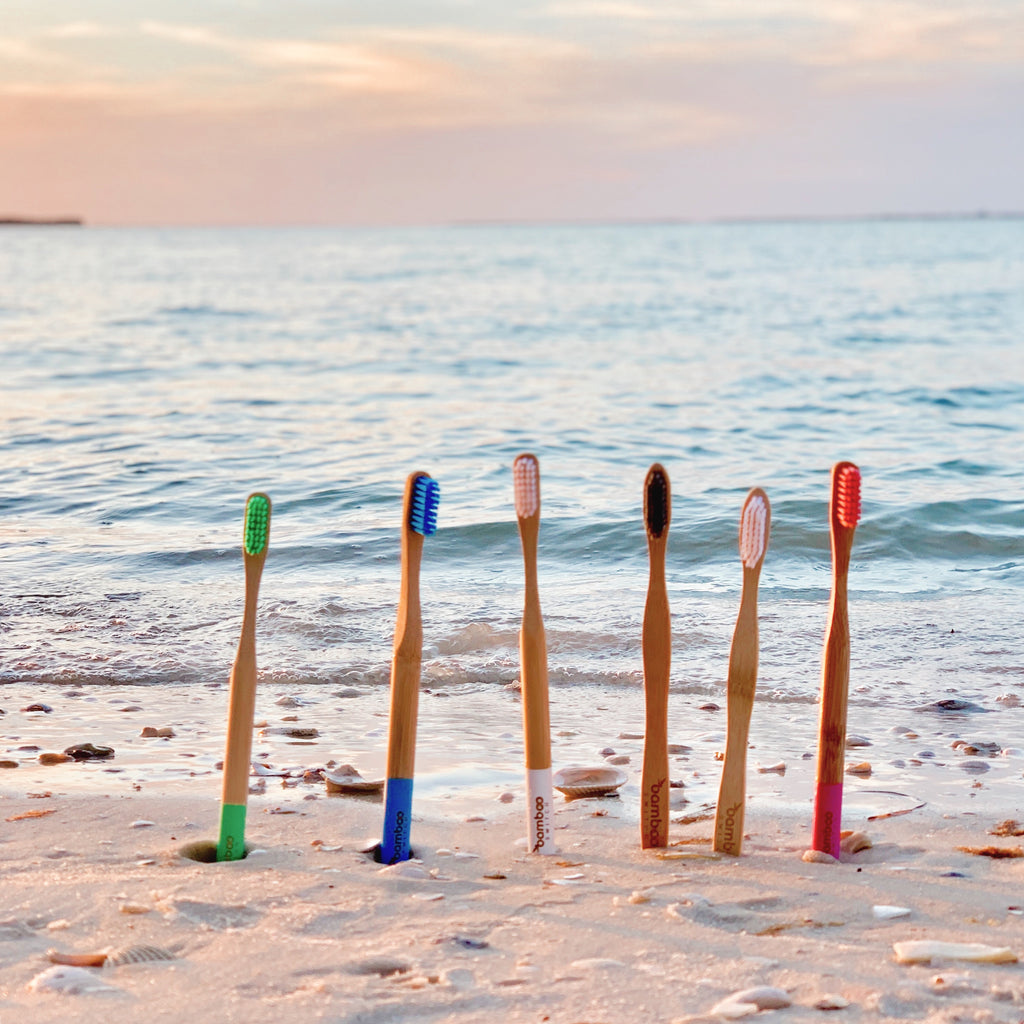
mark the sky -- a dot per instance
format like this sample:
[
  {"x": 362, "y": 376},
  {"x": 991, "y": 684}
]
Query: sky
[{"x": 296, "y": 112}]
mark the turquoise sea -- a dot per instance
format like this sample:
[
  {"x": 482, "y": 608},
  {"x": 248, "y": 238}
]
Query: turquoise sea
[{"x": 152, "y": 378}]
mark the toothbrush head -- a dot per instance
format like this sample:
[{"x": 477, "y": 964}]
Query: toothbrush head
[
  {"x": 657, "y": 502},
  {"x": 846, "y": 494},
  {"x": 526, "y": 485},
  {"x": 423, "y": 505},
  {"x": 256, "y": 533},
  {"x": 754, "y": 528}
]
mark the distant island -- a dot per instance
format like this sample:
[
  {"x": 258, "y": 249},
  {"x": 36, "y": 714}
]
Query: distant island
[{"x": 45, "y": 222}]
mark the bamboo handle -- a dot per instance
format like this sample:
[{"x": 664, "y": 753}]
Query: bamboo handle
[
  {"x": 657, "y": 660},
  {"x": 242, "y": 700},
  {"x": 741, "y": 686}
]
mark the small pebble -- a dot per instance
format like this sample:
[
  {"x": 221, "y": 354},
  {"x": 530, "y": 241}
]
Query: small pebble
[
  {"x": 507, "y": 798},
  {"x": 458, "y": 978},
  {"x": 631, "y": 736},
  {"x": 779, "y": 768},
  {"x": 710, "y": 706},
  {"x": 861, "y": 768},
  {"x": 44, "y": 708},
  {"x": 618, "y": 759},
  {"x": 142, "y": 823},
  {"x": 89, "y": 752},
  {"x": 832, "y": 1002},
  {"x": 857, "y": 741},
  {"x": 54, "y": 758}
]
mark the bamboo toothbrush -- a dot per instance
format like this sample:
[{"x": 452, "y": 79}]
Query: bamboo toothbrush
[
  {"x": 755, "y": 523},
  {"x": 242, "y": 702},
  {"x": 533, "y": 656},
  {"x": 844, "y": 513},
  {"x": 657, "y": 651},
  {"x": 419, "y": 520}
]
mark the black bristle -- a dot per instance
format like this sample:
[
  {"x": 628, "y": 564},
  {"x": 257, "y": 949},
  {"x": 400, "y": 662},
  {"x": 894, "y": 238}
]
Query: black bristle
[{"x": 656, "y": 502}]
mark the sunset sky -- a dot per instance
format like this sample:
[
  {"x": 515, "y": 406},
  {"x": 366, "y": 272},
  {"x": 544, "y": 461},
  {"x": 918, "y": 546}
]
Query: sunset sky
[{"x": 395, "y": 112}]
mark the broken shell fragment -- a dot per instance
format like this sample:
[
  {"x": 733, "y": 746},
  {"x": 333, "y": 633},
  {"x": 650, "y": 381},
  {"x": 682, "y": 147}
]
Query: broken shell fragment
[
  {"x": 581, "y": 782},
  {"x": 750, "y": 1001},
  {"x": 886, "y": 912},
  {"x": 345, "y": 779},
  {"x": 921, "y": 951}
]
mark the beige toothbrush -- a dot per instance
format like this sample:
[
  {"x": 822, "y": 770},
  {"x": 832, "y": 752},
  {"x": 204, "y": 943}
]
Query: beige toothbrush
[{"x": 755, "y": 523}]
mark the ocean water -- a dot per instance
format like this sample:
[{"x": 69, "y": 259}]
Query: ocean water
[{"x": 153, "y": 378}]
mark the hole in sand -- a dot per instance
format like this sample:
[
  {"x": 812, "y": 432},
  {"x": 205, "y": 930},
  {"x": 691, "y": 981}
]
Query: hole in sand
[{"x": 205, "y": 851}]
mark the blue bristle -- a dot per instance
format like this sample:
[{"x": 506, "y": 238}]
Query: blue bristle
[{"x": 426, "y": 496}]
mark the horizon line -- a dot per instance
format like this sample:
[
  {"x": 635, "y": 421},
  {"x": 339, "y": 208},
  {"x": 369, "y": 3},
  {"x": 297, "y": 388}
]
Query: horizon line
[{"x": 16, "y": 220}]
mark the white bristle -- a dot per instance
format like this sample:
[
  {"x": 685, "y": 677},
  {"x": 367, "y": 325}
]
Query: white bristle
[
  {"x": 526, "y": 484},
  {"x": 752, "y": 535}
]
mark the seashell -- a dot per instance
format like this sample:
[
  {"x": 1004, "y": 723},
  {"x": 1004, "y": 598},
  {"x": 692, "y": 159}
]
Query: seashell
[
  {"x": 71, "y": 980},
  {"x": 779, "y": 768},
  {"x": 817, "y": 857},
  {"x": 921, "y": 951},
  {"x": 578, "y": 782},
  {"x": 112, "y": 958},
  {"x": 854, "y": 842},
  {"x": 763, "y": 997},
  {"x": 347, "y": 780},
  {"x": 861, "y": 768},
  {"x": 406, "y": 869},
  {"x": 137, "y": 955}
]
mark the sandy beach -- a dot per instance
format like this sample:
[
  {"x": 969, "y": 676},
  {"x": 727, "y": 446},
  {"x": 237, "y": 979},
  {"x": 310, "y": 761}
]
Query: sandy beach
[{"x": 310, "y": 927}]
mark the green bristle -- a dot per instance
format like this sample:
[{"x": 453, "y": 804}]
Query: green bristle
[{"x": 257, "y": 524}]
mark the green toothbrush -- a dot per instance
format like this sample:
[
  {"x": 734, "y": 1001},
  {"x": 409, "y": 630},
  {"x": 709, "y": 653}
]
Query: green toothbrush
[{"x": 242, "y": 703}]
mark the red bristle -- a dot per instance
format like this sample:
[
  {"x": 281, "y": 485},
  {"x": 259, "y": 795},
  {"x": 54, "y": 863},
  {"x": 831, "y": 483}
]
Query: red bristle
[{"x": 847, "y": 496}]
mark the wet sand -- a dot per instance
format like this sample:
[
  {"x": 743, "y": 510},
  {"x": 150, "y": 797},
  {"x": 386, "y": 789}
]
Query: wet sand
[{"x": 308, "y": 927}]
